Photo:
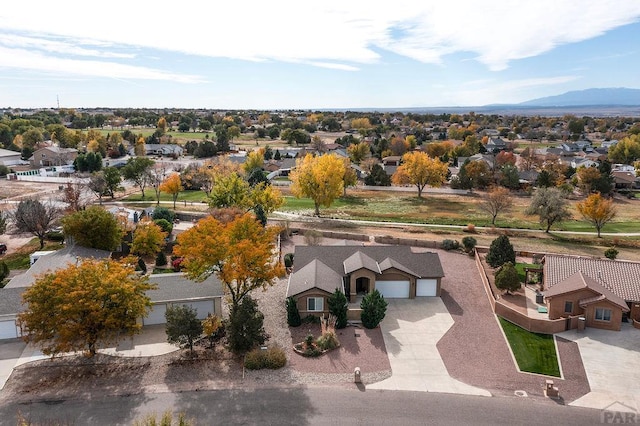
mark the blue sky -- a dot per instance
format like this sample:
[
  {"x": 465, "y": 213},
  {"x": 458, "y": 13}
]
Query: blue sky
[{"x": 298, "y": 54}]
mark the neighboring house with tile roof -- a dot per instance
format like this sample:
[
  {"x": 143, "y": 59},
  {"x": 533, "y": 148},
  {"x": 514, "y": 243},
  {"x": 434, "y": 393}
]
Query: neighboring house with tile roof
[
  {"x": 605, "y": 292},
  {"x": 395, "y": 271}
]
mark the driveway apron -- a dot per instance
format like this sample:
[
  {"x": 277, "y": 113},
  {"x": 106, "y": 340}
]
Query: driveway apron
[{"x": 411, "y": 330}]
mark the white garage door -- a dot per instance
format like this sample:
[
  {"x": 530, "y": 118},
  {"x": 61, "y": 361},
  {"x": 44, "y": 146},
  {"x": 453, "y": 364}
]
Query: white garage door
[
  {"x": 426, "y": 287},
  {"x": 8, "y": 329},
  {"x": 203, "y": 307},
  {"x": 393, "y": 289},
  {"x": 156, "y": 315}
]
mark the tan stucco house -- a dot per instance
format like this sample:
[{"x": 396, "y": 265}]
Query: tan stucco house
[
  {"x": 605, "y": 292},
  {"x": 395, "y": 271}
]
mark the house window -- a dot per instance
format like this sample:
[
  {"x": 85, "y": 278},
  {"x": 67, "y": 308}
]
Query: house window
[
  {"x": 568, "y": 307},
  {"x": 603, "y": 314},
  {"x": 315, "y": 304}
]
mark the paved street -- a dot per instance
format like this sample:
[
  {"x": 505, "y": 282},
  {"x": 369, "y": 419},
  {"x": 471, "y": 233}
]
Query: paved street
[{"x": 308, "y": 406}]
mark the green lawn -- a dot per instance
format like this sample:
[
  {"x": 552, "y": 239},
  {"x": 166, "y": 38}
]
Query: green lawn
[
  {"x": 150, "y": 195},
  {"x": 520, "y": 268},
  {"x": 21, "y": 258},
  {"x": 534, "y": 353}
]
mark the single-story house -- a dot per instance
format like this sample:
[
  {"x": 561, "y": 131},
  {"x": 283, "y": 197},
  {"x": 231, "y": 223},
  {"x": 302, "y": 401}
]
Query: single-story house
[
  {"x": 162, "y": 149},
  {"x": 11, "y": 294},
  {"x": 9, "y": 157},
  {"x": 177, "y": 289},
  {"x": 625, "y": 179},
  {"x": 605, "y": 292},
  {"x": 172, "y": 289},
  {"x": 395, "y": 271}
]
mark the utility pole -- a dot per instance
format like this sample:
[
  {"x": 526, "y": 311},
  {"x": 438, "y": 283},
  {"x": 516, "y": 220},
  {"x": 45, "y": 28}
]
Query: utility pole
[{"x": 58, "y": 101}]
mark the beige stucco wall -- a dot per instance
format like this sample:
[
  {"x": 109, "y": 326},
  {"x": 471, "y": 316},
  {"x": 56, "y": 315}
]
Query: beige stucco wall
[
  {"x": 555, "y": 304},
  {"x": 616, "y": 316},
  {"x": 301, "y": 302}
]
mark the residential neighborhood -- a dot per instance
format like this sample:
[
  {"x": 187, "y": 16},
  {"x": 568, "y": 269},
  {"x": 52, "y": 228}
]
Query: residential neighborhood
[{"x": 488, "y": 256}]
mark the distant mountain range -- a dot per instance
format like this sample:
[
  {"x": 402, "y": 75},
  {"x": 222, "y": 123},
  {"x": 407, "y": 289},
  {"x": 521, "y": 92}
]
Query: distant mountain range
[{"x": 589, "y": 97}]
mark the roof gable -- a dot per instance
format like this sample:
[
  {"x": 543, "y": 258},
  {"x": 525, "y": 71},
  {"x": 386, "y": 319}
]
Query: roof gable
[
  {"x": 314, "y": 274},
  {"x": 359, "y": 260}
]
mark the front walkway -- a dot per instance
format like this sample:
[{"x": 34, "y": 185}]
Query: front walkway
[
  {"x": 612, "y": 363},
  {"x": 151, "y": 341},
  {"x": 411, "y": 330}
]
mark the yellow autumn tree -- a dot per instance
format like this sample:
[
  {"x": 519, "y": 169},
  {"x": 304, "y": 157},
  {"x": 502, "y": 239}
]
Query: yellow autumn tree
[
  {"x": 349, "y": 178},
  {"x": 419, "y": 169},
  {"x": 597, "y": 210},
  {"x": 139, "y": 149},
  {"x": 358, "y": 151},
  {"x": 162, "y": 124},
  {"x": 319, "y": 178},
  {"x": 239, "y": 252},
  {"x": 172, "y": 185},
  {"x": 266, "y": 196},
  {"x": 148, "y": 239},
  {"x": 84, "y": 306},
  {"x": 254, "y": 160}
]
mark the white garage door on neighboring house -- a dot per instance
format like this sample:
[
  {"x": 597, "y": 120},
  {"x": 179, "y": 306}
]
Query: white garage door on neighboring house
[
  {"x": 8, "y": 329},
  {"x": 203, "y": 307},
  {"x": 156, "y": 315},
  {"x": 393, "y": 289},
  {"x": 427, "y": 287}
]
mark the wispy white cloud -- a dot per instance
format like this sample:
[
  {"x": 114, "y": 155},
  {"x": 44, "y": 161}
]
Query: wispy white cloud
[
  {"x": 26, "y": 60},
  {"x": 334, "y": 33},
  {"x": 511, "y": 91},
  {"x": 56, "y": 46}
]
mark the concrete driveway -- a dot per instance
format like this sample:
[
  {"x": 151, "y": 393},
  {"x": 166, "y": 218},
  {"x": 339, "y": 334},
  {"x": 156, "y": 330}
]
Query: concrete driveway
[
  {"x": 612, "y": 362},
  {"x": 152, "y": 341},
  {"x": 411, "y": 330}
]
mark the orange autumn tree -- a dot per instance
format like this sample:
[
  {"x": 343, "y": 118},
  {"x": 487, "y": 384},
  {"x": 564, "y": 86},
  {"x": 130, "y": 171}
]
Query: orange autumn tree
[
  {"x": 84, "y": 305},
  {"x": 239, "y": 252},
  {"x": 172, "y": 185}
]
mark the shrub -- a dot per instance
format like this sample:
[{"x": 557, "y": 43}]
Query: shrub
[
  {"x": 142, "y": 266},
  {"x": 288, "y": 260},
  {"x": 374, "y": 308},
  {"x": 4, "y": 271},
  {"x": 293, "y": 314},
  {"x": 501, "y": 252},
  {"x": 55, "y": 236},
  {"x": 507, "y": 278},
  {"x": 312, "y": 237},
  {"x": 338, "y": 306},
  {"x": 161, "y": 259},
  {"x": 176, "y": 264},
  {"x": 165, "y": 225},
  {"x": 311, "y": 319},
  {"x": 163, "y": 213},
  {"x": 611, "y": 253},
  {"x": 469, "y": 244},
  {"x": 328, "y": 341},
  {"x": 450, "y": 245},
  {"x": 471, "y": 228},
  {"x": 271, "y": 358}
]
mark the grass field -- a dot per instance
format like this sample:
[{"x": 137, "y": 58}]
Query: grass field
[{"x": 534, "y": 353}]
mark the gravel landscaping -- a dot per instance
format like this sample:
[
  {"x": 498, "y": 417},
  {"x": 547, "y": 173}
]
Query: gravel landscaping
[{"x": 474, "y": 349}]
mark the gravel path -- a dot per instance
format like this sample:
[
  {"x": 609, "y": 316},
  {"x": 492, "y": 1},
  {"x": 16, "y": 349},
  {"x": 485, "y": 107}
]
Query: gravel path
[{"x": 474, "y": 349}]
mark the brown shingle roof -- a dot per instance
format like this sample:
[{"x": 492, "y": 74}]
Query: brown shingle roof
[
  {"x": 324, "y": 267},
  {"x": 314, "y": 274},
  {"x": 620, "y": 277}
]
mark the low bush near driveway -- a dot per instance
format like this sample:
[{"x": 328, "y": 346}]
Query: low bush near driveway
[{"x": 272, "y": 358}]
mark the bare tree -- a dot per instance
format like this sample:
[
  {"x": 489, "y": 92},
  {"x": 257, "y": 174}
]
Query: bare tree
[
  {"x": 35, "y": 217},
  {"x": 498, "y": 199},
  {"x": 157, "y": 174},
  {"x": 73, "y": 196},
  {"x": 98, "y": 185}
]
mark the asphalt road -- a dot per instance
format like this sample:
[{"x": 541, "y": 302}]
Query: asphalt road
[{"x": 305, "y": 406}]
